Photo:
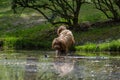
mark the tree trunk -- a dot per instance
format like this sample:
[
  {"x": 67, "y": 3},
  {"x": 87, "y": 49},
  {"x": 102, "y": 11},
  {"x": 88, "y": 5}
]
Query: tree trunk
[{"x": 76, "y": 13}]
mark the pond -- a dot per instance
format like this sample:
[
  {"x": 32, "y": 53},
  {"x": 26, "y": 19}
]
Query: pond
[{"x": 37, "y": 65}]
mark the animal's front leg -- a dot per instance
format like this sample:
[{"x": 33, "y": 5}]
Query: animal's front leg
[
  {"x": 56, "y": 53},
  {"x": 66, "y": 51}
]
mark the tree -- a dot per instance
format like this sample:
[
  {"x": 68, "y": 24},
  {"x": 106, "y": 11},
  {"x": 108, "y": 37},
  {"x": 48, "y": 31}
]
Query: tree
[
  {"x": 117, "y": 2},
  {"x": 55, "y": 11},
  {"x": 109, "y": 8}
]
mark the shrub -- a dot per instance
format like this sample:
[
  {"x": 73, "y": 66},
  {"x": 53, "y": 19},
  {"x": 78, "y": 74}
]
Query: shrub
[{"x": 8, "y": 43}]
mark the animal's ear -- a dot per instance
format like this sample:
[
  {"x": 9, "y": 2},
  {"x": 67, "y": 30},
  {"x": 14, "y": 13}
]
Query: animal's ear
[
  {"x": 59, "y": 31},
  {"x": 53, "y": 43}
]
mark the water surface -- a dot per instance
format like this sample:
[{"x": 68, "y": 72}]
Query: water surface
[{"x": 36, "y": 66}]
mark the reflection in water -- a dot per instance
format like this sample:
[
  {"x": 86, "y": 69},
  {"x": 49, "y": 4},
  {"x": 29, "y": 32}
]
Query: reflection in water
[
  {"x": 24, "y": 67},
  {"x": 31, "y": 68},
  {"x": 63, "y": 66},
  {"x": 115, "y": 72}
]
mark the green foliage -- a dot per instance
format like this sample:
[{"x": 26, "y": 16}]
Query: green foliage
[
  {"x": 106, "y": 46},
  {"x": 52, "y": 10},
  {"x": 21, "y": 31},
  {"x": 32, "y": 44},
  {"x": 111, "y": 46},
  {"x": 98, "y": 35},
  {"x": 115, "y": 45},
  {"x": 13, "y": 43},
  {"x": 87, "y": 47},
  {"x": 93, "y": 16},
  {"x": 108, "y": 7},
  {"x": 8, "y": 43}
]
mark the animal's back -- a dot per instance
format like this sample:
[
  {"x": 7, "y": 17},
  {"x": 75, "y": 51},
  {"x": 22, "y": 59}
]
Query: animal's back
[{"x": 67, "y": 34}]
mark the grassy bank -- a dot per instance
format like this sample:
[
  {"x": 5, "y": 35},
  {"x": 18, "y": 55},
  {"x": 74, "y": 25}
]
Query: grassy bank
[
  {"x": 112, "y": 46},
  {"x": 28, "y": 39},
  {"x": 105, "y": 38},
  {"x": 30, "y": 30}
]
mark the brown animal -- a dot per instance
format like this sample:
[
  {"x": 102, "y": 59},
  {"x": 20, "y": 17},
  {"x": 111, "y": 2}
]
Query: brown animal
[{"x": 64, "y": 40}]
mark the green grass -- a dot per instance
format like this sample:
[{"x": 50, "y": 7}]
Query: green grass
[
  {"x": 21, "y": 31},
  {"x": 98, "y": 34},
  {"x": 112, "y": 46},
  {"x": 90, "y": 13},
  {"x": 92, "y": 54}
]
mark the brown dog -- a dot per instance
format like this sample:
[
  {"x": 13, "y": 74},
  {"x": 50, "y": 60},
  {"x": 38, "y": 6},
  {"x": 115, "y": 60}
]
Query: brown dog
[{"x": 64, "y": 40}]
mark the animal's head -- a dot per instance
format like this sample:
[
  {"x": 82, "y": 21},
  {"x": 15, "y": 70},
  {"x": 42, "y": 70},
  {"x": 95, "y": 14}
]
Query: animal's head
[
  {"x": 58, "y": 44},
  {"x": 60, "y": 29}
]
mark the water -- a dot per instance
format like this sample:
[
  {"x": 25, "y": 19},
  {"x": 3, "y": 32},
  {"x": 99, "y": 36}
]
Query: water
[{"x": 37, "y": 66}]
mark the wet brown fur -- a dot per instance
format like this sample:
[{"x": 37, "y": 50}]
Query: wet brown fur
[{"x": 64, "y": 40}]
